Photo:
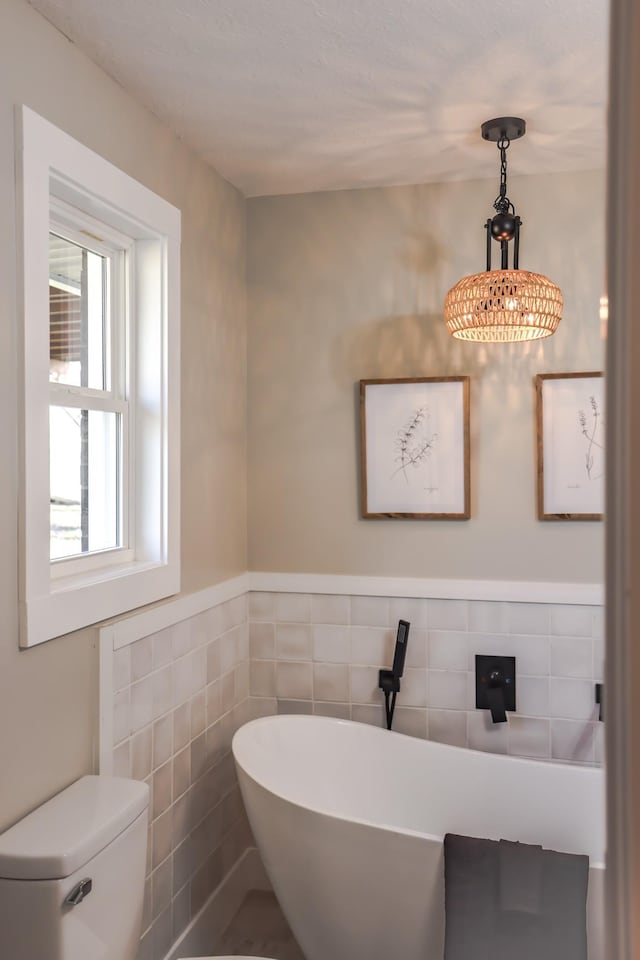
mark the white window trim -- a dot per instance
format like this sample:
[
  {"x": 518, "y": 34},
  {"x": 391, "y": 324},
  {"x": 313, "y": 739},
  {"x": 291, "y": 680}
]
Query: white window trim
[{"x": 53, "y": 163}]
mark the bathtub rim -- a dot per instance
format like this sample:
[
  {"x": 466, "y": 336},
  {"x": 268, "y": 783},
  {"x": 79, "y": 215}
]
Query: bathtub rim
[{"x": 370, "y": 824}]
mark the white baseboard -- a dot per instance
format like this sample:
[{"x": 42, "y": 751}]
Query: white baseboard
[{"x": 203, "y": 934}]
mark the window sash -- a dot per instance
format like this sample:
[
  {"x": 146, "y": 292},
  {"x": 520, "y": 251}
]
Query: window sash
[{"x": 80, "y": 228}]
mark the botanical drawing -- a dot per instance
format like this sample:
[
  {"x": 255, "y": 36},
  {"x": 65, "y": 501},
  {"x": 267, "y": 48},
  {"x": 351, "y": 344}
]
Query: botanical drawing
[
  {"x": 414, "y": 442},
  {"x": 590, "y": 430}
]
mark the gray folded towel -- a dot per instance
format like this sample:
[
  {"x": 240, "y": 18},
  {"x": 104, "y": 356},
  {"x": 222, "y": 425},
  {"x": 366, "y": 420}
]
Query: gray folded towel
[
  {"x": 520, "y": 869},
  {"x": 484, "y": 922}
]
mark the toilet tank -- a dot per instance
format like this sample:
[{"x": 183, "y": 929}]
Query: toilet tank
[{"x": 72, "y": 874}]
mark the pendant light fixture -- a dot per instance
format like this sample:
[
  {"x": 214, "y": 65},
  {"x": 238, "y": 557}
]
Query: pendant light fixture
[{"x": 507, "y": 304}]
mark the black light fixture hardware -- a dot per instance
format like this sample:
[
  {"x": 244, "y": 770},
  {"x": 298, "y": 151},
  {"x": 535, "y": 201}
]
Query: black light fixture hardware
[{"x": 506, "y": 304}]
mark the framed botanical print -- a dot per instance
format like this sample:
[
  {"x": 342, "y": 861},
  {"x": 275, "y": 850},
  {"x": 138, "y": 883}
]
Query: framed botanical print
[
  {"x": 415, "y": 448},
  {"x": 570, "y": 434}
]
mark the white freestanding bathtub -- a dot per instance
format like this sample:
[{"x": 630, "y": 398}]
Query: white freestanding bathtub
[{"x": 349, "y": 820}]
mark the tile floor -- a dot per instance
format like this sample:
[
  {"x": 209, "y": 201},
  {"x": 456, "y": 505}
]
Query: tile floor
[{"x": 259, "y": 929}]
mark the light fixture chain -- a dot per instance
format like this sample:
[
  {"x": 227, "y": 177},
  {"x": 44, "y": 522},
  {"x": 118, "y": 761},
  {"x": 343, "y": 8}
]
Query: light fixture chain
[{"x": 502, "y": 204}]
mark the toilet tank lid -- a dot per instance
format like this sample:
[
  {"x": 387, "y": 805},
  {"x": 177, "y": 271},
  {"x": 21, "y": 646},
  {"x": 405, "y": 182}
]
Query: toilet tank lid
[{"x": 63, "y": 834}]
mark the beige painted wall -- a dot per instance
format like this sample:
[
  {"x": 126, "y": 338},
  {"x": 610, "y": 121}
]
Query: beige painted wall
[
  {"x": 350, "y": 285},
  {"x": 48, "y": 695}
]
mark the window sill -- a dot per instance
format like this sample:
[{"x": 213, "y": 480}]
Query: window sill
[{"x": 83, "y": 600}]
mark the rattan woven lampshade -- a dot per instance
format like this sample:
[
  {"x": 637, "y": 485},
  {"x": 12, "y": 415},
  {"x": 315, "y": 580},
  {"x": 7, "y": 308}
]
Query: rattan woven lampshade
[{"x": 502, "y": 305}]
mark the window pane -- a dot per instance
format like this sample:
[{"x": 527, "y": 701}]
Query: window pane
[
  {"x": 78, "y": 315},
  {"x": 84, "y": 481}
]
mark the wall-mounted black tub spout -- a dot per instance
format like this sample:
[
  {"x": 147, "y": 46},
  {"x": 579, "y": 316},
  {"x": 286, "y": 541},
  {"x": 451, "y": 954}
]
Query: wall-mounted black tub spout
[
  {"x": 496, "y": 686},
  {"x": 495, "y": 696},
  {"x": 389, "y": 680}
]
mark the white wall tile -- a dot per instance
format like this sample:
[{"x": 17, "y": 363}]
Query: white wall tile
[
  {"x": 570, "y": 621},
  {"x": 572, "y": 657},
  {"x": 488, "y": 617},
  {"x": 162, "y": 740},
  {"x": 483, "y": 734},
  {"x": 142, "y": 753},
  {"x": 528, "y": 618},
  {"x": 237, "y": 610},
  {"x": 417, "y": 648},
  {"x": 200, "y": 630},
  {"x": 213, "y": 660},
  {"x": 342, "y": 711},
  {"x": 180, "y": 639},
  {"x": 410, "y": 721},
  {"x": 413, "y": 688},
  {"x": 141, "y": 704},
  {"x": 181, "y": 680},
  {"x": 262, "y": 606},
  {"x": 413, "y": 610},
  {"x": 370, "y": 611},
  {"x": 227, "y": 651},
  {"x": 448, "y": 650},
  {"x": 572, "y": 741},
  {"x": 293, "y": 641},
  {"x": 597, "y": 622},
  {"x": 161, "y": 648},
  {"x": 448, "y": 726},
  {"x": 262, "y": 707},
  {"x": 141, "y": 658},
  {"x": 365, "y": 713},
  {"x": 121, "y": 760},
  {"x": 293, "y": 607},
  {"x": 447, "y": 614},
  {"x": 262, "y": 682},
  {"x": 198, "y": 660},
  {"x": 295, "y": 706},
  {"x": 293, "y": 680},
  {"x": 331, "y": 681},
  {"x": 599, "y": 743},
  {"x": 181, "y": 726},
  {"x": 326, "y": 608},
  {"x": 198, "y": 714},
  {"x": 532, "y": 696},
  {"x": 364, "y": 685},
  {"x": 447, "y": 689},
  {"x": 162, "y": 691},
  {"x": 331, "y": 644},
  {"x": 572, "y": 699},
  {"x": 213, "y": 702},
  {"x": 262, "y": 641},
  {"x": 598, "y": 658},
  {"x": 372, "y": 646},
  {"x": 242, "y": 681},
  {"x": 242, "y": 642},
  {"x": 227, "y": 691},
  {"x": 122, "y": 668},
  {"x": 529, "y": 738}
]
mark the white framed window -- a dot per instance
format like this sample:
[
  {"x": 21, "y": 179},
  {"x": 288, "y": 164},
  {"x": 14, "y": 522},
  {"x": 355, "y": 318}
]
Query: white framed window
[{"x": 100, "y": 500}]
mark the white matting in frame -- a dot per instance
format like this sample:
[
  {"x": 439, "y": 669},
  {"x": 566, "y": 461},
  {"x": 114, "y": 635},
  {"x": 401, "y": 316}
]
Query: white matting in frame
[
  {"x": 570, "y": 420},
  {"x": 415, "y": 448}
]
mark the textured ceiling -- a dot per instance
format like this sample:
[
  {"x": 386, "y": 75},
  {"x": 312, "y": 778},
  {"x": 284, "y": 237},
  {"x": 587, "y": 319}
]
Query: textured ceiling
[{"x": 285, "y": 96}]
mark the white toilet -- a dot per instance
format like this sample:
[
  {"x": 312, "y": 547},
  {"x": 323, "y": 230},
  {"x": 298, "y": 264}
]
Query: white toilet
[{"x": 72, "y": 875}]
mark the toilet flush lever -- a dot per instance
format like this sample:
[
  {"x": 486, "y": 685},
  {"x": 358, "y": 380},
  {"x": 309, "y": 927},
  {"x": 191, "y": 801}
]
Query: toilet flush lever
[{"x": 79, "y": 892}]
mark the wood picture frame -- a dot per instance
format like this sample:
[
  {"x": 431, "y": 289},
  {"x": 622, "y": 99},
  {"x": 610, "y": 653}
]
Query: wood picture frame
[
  {"x": 570, "y": 445},
  {"x": 414, "y": 446}
]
